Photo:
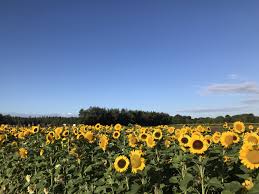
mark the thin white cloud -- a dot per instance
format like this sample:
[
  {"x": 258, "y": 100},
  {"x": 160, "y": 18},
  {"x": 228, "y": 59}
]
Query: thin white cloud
[
  {"x": 233, "y": 76},
  {"x": 215, "y": 110},
  {"x": 237, "y": 88},
  {"x": 251, "y": 101}
]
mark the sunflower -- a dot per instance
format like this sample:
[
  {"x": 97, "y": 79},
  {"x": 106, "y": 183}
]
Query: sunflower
[
  {"x": 41, "y": 152},
  {"x": 117, "y": 127},
  {"x": 89, "y": 136},
  {"x": 239, "y": 127},
  {"x": 79, "y": 136},
  {"x": 249, "y": 155},
  {"x": 65, "y": 133},
  {"x": 184, "y": 140},
  {"x": 50, "y": 138},
  {"x": 35, "y": 129},
  {"x": 236, "y": 138},
  {"x": 23, "y": 153},
  {"x": 150, "y": 141},
  {"x": 103, "y": 142},
  {"x": 170, "y": 130},
  {"x": 248, "y": 184},
  {"x": 250, "y": 127},
  {"x": 116, "y": 134},
  {"x": 251, "y": 138},
  {"x": 121, "y": 163},
  {"x": 133, "y": 140},
  {"x": 208, "y": 138},
  {"x": 136, "y": 161},
  {"x": 58, "y": 132},
  {"x": 225, "y": 126},
  {"x": 143, "y": 136},
  {"x": 226, "y": 138},
  {"x": 157, "y": 134},
  {"x": 216, "y": 137},
  {"x": 97, "y": 126},
  {"x": 198, "y": 145}
]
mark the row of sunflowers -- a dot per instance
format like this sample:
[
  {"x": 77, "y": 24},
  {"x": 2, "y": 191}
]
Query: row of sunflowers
[{"x": 130, "y": 159}]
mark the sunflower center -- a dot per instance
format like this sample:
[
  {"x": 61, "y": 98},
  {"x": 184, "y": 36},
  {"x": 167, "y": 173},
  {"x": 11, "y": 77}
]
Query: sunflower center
[
  {"x": 239, "y": 127},
  {"x": 197, "y": 144},
  {"x": 253, "y": 156},
  {"x": 143, "y": 136},
  {"x": 234, "y": 138},
  {"x": 121, "y": 163},
  {"x": 157, "y": 134},
  {"x": 229, "y": 139},
  {"x": 135, "y": 161},
  {"x": 252, "y": 139},
  {"x": 184, "y": 140}
]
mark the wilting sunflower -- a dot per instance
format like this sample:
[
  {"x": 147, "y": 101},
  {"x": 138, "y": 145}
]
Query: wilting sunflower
[
  {"x": 251, "y": 138},
  {"x": 216, "y": 137},
  {"x": 198, "y": 145},
  {"x": 150, "y": 141},
  {"x": 136, "y": 161},
  {"x": 248, "y": 184},
  {"x": 116, "y": 134},
  {"x": 157, "y": 134},
  {"x": 133, "y": 140},
  {"x": 23, "y": 153},
  {"x": 239, "y": 127},
  {"x": 143, "y": 136},
  {"x": 103, "y": 142},
  {"x": 249, "y": 155},
  {"x": 117, "y": 127},
  {"x": 121, "y": 163},
  {"x": 227, "y": 138},
  {"x": 184, "y": 140}
]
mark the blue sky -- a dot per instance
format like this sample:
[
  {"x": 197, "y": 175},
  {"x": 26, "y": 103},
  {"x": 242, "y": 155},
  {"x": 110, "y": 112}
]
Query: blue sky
[{"x": 198, "y": 58}]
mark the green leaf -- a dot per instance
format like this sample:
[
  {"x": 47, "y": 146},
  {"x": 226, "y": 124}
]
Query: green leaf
[
  {"x": 214, "y": 182},
  {"x": 173, "y": 179},
  {"x": 243, "y": 176},
  {"x": 186, "y": 180},
  {"x": 227, "y": 192},
  {"x": 233, "y": 186},
  {"x": 255, "y": 188}
]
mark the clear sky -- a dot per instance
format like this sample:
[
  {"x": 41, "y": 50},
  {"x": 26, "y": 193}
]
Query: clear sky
[{"x": 196, "y": 57}]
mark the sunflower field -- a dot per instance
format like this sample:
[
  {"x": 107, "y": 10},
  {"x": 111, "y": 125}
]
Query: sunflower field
[{"x": 130, "y": 159}]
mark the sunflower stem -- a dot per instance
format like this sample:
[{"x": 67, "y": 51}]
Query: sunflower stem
[{"x": 201, "y": 170}]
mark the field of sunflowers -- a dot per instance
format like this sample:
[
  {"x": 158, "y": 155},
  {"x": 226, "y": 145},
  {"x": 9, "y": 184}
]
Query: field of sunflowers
[{"x": 130, "y": 159}]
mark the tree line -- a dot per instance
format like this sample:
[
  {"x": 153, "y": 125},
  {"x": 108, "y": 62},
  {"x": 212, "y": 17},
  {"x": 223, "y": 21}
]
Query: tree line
[{"x": 106, "y": 116}]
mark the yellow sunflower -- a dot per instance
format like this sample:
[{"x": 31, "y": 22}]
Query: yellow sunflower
[
  {"x": 170, "y": 130},
  {"x": 250, "y": 127},
  {"x": 116, "y": 134},
  {"x": 198, "y": 145},
  {"x": 23, "y": 153},
  {"x": 65, "y": 133},
  {"x": 251, "y": 138},
  {"x": 89, "y": 136},
  {"x": 216, "y": 137},
  {"x": 157, "y": 134},
  {"x": 150, "y": 141},
  {"x": 239, "y": 127},
  {"x": 136, "y": 161},
  {"x": 35, "y": 129},
  {"x": 184, "y": 140},
  {"x": 249, "y": 155},
  {"x": 236, "y": 138},
  {"x": 121, "y": 163},
  {"x": 225, "y": 126},
  {"x": 117, "y": 127},
  {"x": 97, "y": 126},
  {"x": 58, "y": 132},
  {"x": 133, "y": 140},
  {"x": 103, "y": 142},
  {"x": 50, "y": 138},
  {"x": 143, "y": 136},
  {"x": 226, "y": 138},
  {"x": 248, "y": 184},
  {"x": 167, "y": 143}
]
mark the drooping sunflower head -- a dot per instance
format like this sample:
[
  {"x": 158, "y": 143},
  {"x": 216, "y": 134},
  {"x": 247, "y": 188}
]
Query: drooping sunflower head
[
  {"x": 116, "y": 134},
  {"x": 89, "y": 136},
  {"x": 150, "y": 141},
  {"x": 251, "y": 138},
  {"x": 239, "y": 127},
  {"x": 137, "y": 162},
  {"x": 198, "y": 145},
  {"x": 103, "y": 142},
  {"x": 249, "y": 155},
  {"x": 121, "y": 164},
  {"x": 157, "y": 134}
]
